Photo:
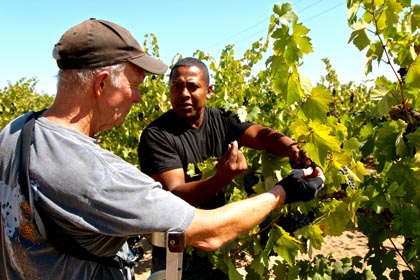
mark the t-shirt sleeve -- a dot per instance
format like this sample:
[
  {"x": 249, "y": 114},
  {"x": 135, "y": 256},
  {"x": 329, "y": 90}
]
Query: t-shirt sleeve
[
  {"x": 235, "y": 126},
  {"x": 133, "y": 200},
  {"x": 156, "y": 152}
]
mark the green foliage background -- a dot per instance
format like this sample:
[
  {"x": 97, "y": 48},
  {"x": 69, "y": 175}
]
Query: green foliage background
[{"x": 371, "y": 130}]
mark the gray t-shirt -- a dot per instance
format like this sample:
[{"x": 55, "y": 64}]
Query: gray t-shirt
[{"x": 93, "y": 195}]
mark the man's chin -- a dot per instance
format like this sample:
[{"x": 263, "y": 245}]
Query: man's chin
[{"x": 185, "y": 112}]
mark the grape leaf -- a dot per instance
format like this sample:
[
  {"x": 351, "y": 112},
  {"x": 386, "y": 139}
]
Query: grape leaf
[
  {"x": 389, "y": 16},
  {"x": 336, "y": 222},
  {"x": 359, "y": 36},
  {"x": 318, "y": 139},
  {"x": 413, "y": 75},
  {"x": 233, "y": 273},
  {"x": 415, "y": 18},
  {"x": 257, "y": 266},
  {"x": 313, "y": 233},
  {"x": 286, "y": 246},
  {"x": 294, "y": 90},
  {"x": 285, "y": 13},
  {"x": 316, "y": 106},
  {"x": 387, "y": 137},
  {"x": 302, "y": 42},
  {"x": 406, "y": 221}
]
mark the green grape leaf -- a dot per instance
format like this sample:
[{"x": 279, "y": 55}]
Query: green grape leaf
[
  {"x": 415, "y": 17},
  {"x": 406, "y": 221},
  {"x": 359, "y": 36},
  {"x": 414, "y": 139},
  {"x": 387, "y": 139},
  {"x": 305, "y": 84},
  {"x": 191, "y": 170},
  {"x": 313, "y": 233},
  {"x": 401, "y": 146},
  {"x": 413, "y": 75},
  {"x": 336, "y": 222},
  {"x": 394, "y": 193},
  {"x": 251, "y": 273},
  {"x": 294, "y": 90},
  {"x": 316, "y": 106},
  {"x": 208, "y": 167},
  {"x": 279, "y": 75},
  {"x": 318, "y": 139},
  {"x": 233, "y": 273},
  {"x": 253, "y": 114},
  {"x": 286, "y": 246},
  {"x": 366, "y": 131},
  {"x": 285, "y": 13},
  {"x": 302, "y": 42},
  {"x": 342, "y": 131},
  {"x": 351, "y": 145},
  {"x": 258, "y": 266},
  {"x": 379, "y": 95},
  {"x": 273, "y": 236},
  {"x": 375, "y": 52},
  {"x": 387, "y": 19},
  {"x": 353, "y": 9},
  {"x": 339, "y": 160}
]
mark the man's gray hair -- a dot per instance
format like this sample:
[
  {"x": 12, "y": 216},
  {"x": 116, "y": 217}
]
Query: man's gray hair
[{"x": 78, "y": 79}]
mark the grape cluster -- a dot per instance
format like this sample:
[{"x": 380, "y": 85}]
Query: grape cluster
[
  {"x": 295, "y": 221},
  {"x": 290, "y": 223},
  {"x": 349, "y": 181},
  {"x": 302, "y": 164},
  {"x": 407, "y": 114},
  {"x": 250, "y": 180}
]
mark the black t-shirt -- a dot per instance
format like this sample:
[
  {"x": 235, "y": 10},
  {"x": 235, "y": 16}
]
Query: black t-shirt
[{"x": 168, "y": 143}]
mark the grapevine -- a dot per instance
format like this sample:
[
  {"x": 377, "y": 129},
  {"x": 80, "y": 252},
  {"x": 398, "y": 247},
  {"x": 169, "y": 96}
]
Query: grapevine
[{"x": 364, "y": 137}]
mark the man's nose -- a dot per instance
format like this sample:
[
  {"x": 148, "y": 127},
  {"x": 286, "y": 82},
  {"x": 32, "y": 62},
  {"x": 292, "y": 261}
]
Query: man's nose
[{"x": 185, "y": 91}]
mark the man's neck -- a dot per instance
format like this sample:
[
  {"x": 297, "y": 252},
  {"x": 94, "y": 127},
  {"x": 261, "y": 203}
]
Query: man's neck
[{"x": 73, "y": 120}]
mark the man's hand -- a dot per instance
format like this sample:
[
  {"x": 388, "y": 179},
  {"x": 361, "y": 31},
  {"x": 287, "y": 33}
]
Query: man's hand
[
  {"x": 299, "y": 158},
  {"x": 303, "y": 184},
  {"x": 232, "y": 163}
]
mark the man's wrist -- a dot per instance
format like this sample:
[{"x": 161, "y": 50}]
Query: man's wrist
[
  {"x": 292, "y": 144},
  {"x": 222, "y": 179},
  {"x": 279, "y": 192}
]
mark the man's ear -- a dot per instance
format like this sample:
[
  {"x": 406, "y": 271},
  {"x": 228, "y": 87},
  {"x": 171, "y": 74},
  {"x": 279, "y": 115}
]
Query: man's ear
[
  {"x": 209, "y": 91},
  {"x": 100, "y": 82}
]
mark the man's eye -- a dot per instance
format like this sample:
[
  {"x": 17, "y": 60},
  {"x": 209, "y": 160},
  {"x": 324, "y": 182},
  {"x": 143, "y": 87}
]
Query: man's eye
[{"x": 192, "y": 87}]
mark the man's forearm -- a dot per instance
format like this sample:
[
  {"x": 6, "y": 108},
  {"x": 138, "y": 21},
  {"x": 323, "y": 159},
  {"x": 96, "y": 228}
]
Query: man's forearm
[
  {"x": 198, "y": 192},
  {"x": 212, "y": 228},
  {"x": 263, "y": 138}
]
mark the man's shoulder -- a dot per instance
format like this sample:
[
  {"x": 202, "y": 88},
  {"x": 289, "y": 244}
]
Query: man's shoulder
[
  {"x": 220, "y": 113},
  {"x": 161, "y": 128},
  {"x": 165, "y": 120},
  {"x": 11, "y": 131},
  {"x": 217, "y": 112}
]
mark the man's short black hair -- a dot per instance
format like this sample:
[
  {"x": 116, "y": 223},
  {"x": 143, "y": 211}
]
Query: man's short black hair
[{"x": 192, "y": 61}]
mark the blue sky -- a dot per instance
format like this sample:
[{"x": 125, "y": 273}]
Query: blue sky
[{"x": 29, "y": 30}]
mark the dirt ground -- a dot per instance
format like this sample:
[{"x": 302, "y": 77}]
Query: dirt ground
[{"x": 350, "y": 243}]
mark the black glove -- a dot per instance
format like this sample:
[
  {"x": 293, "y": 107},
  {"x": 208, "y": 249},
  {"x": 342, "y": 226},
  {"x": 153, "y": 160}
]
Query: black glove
[{"x": 298, "y": 188}]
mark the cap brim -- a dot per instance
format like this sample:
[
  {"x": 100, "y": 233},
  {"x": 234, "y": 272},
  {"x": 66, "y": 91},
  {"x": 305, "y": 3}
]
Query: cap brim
[{"x": 150, "y": 64}]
